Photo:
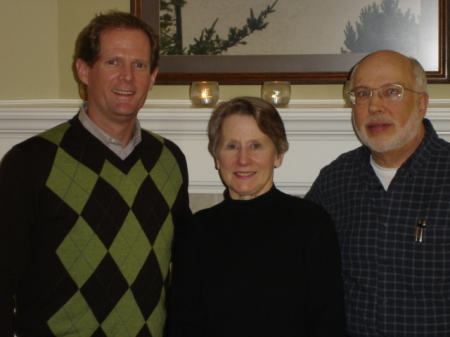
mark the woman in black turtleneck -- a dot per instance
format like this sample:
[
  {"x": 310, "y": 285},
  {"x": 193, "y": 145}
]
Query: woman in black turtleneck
[{"x": 260, "y": 263}]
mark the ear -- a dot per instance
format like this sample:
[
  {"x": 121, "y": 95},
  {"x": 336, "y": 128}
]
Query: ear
[
  {"x": 153, "y": 78},
  {"x": 423, "y": 104},
  {"x": 82, "y": 71},
  {"x": 279, "y": 160}
]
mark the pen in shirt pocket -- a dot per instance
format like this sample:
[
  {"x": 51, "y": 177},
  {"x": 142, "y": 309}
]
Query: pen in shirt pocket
[{"x": 418, "y": 233}]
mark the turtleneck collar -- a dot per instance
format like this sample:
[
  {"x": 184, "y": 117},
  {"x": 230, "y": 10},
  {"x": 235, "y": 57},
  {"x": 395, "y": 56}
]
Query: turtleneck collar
[{"x": 261, "y": 204}]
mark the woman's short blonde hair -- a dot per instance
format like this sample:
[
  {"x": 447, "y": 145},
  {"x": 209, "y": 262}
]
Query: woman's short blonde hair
[{"x": 267, "y": 117}]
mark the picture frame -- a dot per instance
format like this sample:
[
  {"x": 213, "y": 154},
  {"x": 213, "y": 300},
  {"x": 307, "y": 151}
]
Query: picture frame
[{"x": 255, "y": 69}]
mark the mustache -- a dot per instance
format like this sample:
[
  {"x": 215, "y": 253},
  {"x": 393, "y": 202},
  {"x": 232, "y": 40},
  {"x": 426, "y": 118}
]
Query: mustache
[{"x": 378, "y": 118}]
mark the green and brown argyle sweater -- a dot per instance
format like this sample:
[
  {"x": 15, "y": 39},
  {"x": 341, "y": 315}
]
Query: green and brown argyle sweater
[{"x": 86, "y": 237}]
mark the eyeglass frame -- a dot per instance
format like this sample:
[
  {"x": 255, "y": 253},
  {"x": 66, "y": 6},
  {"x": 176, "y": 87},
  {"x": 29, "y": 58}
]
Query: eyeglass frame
[{"x": 351, "y": 93}]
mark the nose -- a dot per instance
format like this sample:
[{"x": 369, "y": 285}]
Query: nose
[
  {"x": 127, "y": 73},
  {"x": 376, "y": 103},
  {"x": 243, "y": 157}
]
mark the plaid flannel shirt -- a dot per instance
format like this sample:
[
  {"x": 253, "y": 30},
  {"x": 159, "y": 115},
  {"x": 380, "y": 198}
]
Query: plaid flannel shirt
[{"x": 394, "y": 285}]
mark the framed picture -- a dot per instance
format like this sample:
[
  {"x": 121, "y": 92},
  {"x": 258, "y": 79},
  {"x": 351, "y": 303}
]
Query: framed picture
[{"x": 304, "y": 42}]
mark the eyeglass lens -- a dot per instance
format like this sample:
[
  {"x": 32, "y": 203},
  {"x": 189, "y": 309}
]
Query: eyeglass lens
[{"x": 389, "y": 92}]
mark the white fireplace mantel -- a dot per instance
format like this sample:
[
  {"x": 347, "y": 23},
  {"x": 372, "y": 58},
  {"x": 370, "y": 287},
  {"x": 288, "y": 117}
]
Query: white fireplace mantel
[{"x": 318, "y": 131}]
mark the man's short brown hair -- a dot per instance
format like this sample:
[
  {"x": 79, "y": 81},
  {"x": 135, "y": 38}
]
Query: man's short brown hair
[{"x": 89, "y": 39}]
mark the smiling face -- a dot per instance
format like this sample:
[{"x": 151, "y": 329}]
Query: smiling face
[
  {"x": 118, "y": 82},
  {"x": 246, "y": 157},
  {"x": 386, "y": 126}
]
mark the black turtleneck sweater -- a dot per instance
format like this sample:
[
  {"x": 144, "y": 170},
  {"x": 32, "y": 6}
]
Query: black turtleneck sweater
[{"x": 269, "y": 266}]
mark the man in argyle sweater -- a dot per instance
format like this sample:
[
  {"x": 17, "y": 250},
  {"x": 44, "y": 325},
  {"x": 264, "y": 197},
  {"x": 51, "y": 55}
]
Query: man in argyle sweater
[{"x": 88, "y": 209}]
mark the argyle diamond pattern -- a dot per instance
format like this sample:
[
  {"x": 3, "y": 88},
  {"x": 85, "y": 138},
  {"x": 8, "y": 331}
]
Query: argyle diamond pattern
[
  {"x": 117, "y": 252},
  {"x": 71, "y": 181}
]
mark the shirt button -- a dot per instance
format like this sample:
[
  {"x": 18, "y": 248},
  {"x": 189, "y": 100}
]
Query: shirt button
[
  {"x": 384, "y": 301},
  {"x": 386, "y": 225}
]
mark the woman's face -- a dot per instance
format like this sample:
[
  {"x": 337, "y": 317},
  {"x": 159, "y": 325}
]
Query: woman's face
[{"x": 246, "y": 157}]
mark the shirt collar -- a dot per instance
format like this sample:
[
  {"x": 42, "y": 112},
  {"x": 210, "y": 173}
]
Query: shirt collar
[{"x": 112, "y": 143}]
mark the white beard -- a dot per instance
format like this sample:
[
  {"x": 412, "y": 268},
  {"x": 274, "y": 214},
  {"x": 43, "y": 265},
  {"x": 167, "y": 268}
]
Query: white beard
[{"x": 402, "y": 137}]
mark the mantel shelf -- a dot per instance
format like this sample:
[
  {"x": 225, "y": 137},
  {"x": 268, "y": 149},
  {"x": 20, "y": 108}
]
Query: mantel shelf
[{"x": 318, "y": 131}]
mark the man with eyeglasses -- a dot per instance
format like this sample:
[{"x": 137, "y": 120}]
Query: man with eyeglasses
[{"x": 390, "y": 201}]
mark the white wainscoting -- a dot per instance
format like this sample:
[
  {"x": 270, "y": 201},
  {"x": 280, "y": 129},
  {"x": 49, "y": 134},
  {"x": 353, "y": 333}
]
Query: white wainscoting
[{"x": 318, "y": 131}]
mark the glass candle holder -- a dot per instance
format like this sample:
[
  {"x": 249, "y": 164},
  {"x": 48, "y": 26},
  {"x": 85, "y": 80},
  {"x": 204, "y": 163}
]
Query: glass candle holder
[
  {"x": 204, "y": 94},
  {"x": 277, "y": 93}
]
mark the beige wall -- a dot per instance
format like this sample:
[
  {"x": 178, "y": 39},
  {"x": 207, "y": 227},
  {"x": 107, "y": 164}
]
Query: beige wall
[
  {"x": 38, "y": 36},
  {"x": 73, "y": 16},
  {"x": 29, "y": 49}
]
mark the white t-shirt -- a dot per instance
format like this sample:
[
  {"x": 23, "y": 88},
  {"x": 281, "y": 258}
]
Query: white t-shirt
[{"x": 384, "y": 174}]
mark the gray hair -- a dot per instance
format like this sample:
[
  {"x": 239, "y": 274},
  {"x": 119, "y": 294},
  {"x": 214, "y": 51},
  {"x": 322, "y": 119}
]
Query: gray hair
[
  {"x": 420, "y": 77},
  {"x": 267, "y": 117}
]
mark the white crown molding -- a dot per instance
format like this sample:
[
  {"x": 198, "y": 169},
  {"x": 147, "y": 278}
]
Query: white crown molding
[
  {"x": 305, "y": 119},
  {"x": 318, "y": 131}
]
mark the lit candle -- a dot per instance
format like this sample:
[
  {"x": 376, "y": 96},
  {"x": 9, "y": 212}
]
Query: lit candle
[
  {"x": 204, "y": 94},
  {"x": 276, "y": 97},
  {"x": 205, "y": 97},
  {"x": 277, "y": 93}
]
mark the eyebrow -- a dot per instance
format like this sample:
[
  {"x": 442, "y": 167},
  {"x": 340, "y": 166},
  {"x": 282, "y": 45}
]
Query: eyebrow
[{"x": 388, "y": 83}]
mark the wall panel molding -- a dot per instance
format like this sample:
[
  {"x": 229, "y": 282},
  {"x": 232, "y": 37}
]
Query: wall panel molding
[{"x": 318, "y": 131}]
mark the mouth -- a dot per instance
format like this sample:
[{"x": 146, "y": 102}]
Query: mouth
[
  {"x": 244, "y": 174},
  {"x": 122, "y": 92},
  {"x": 378, "y": 126}
]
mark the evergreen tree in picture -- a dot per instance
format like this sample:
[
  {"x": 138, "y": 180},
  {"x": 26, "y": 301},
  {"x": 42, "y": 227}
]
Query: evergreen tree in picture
[
  {"x": 208, "y": 43},
  {"x": 383, "y": 26}
]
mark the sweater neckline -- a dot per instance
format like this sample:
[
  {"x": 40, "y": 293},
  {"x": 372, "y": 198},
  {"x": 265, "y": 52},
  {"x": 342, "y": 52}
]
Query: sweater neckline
[
  {"x": 261, "y": 204},
  {"x": 123, "y": 164}
]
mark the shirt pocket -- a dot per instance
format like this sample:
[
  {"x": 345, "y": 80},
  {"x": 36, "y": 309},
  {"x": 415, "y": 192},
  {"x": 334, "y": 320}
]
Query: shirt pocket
[{"x": 427, "y": 263}]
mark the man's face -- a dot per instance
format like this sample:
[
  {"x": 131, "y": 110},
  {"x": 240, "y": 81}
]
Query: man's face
[
  {"x": 382, "y": 125},
  {"x": 118, "y": 82}
]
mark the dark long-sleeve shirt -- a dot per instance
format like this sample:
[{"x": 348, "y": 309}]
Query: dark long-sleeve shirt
[
  {"x": 395, "y": 286},
  {"x": 269, "y": 266}
]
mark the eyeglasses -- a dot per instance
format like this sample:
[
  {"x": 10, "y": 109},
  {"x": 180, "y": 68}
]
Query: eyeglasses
[{"x": 387, "y": 92}]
